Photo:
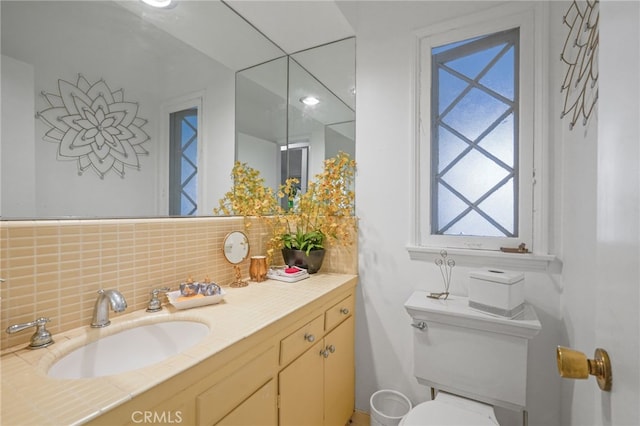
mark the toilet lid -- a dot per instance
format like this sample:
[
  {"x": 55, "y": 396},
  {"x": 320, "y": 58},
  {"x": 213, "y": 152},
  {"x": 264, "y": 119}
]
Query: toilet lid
[{"x": 450, "y": 411}]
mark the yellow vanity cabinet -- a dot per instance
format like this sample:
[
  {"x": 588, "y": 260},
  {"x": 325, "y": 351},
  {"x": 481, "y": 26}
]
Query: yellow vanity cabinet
[
  {"x": 237, "y": 386},
  {"x": 339, "y": 375},
  {"x": 258, "y": 409},
  {"x": 318, "y": 387},
  {"x": 297, "y": 369},
  {"x": 253, "y": 385}
]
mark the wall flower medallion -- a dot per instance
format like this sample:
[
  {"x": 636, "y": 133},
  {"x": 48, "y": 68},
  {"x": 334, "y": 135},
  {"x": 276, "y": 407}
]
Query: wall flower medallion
[
  {"x": 580, "y": 55},
  {"x": 94, "y": 126}
]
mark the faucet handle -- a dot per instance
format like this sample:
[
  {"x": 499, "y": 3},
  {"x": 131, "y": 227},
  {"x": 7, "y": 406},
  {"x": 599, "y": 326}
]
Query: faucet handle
[
  {"x": 41, "y": 338},
  {"x": 155, "y": 304}
]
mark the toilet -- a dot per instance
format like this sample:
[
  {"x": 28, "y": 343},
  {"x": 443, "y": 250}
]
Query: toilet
[{"x": 474, "y": 360}]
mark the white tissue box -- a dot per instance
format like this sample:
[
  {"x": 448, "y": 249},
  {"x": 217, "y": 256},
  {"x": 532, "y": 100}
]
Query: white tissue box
[{"x": 497, "y": 292}]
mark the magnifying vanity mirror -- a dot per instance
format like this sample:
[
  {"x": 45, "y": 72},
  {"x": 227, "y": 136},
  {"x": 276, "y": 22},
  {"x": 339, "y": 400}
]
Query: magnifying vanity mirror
[{"x": 236, "y": 250}]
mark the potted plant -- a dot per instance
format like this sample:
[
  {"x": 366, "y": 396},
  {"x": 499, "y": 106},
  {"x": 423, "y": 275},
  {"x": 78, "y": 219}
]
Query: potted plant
[
  {"x": 249, "y": 196},
  {"x": 324, "y": 213}
]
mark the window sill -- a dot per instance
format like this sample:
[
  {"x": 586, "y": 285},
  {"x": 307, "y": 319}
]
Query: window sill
[{"x": 526, "y": 262}]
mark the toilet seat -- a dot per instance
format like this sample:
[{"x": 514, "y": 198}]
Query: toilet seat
[{"x": 450, "y": 410}]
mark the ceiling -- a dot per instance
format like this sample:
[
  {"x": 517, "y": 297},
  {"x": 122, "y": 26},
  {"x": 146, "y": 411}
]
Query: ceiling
[
  {"x": 212, "y": 28},
  {"x": 295, "y": 25},
  {"x": 219, "y": 29}
]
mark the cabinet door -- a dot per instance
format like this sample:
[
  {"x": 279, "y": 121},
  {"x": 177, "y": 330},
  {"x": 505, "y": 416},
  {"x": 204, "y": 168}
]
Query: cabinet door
[
  {"x": 339, "y": 375},
  {"x": 258, "y": 410},
  {"x": 301, "y": 389},
  {"x": 221, "y": 398},
  {"x": 179, "y": 409}
]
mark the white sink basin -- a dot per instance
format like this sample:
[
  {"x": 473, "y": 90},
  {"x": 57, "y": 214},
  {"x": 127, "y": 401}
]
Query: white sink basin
[{"x": 129, "y": 349}]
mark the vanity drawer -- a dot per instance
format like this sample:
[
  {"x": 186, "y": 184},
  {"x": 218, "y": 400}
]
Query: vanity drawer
[
  {"x": 227, "y": 394},
  {"x": 339, "y": 312},
  {"x": 301, "y": 339}
]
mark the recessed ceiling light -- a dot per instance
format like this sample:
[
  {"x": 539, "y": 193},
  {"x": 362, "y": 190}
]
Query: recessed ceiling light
[
  {"x": 310, "y": 100},
  {"x": 158, "y": 3}
]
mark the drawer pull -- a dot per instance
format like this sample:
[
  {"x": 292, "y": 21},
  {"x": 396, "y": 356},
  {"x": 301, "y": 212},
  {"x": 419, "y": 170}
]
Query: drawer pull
[
  {"x": 344, "y": 311},
  {"x": 324, "y": 353},
  {"x": 309, "y": 337},
  {"x": 331, "y": 348}
]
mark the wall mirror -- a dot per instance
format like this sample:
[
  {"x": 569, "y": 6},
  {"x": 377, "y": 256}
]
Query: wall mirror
[
  {"x": 281, "y": 135},
  {"x": 164, "y": 60}
]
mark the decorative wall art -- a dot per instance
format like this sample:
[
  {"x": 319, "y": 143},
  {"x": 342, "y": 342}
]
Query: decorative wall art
[
  {"x": 580, "y": 54},
  {"x": 94, "y": 126}
]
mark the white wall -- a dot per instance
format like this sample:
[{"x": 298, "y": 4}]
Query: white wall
[
  {"x": 336, "y": 142},
  {"x": 262, "y": 155},
  {"x": 576, "y": 180},
  {"x": 564, "y": 303},
  {"x": 18, "y": 150}
]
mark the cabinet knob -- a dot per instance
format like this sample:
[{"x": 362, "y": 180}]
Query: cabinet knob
[
  {"x": 344, "y": 311},
  {"x": 327, "y": 351},
  {"x": 309, "y": 337}
]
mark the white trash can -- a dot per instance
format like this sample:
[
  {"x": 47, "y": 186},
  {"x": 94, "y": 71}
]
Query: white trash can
[{"x": 388, "y": 407}]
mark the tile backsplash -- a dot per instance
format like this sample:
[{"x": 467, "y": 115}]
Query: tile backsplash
[{"x": 53, "y": 268}]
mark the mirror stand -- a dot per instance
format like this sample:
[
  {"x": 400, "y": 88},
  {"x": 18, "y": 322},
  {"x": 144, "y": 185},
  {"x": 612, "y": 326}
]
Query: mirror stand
[{"x": 238, "y": 282}]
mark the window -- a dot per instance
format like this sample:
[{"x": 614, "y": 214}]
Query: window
[
  {"x": 474, "y": 142},
  {"x": 480, "y": 170},
  {"x": 183, "y": 172}
]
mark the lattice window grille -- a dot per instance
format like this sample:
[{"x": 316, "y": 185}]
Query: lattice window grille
[
  {"x": 184, "y": 188},
  {"x": 472, "y": 217}
]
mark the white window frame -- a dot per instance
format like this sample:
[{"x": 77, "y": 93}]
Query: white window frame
[{"x": 531, "y": 18}]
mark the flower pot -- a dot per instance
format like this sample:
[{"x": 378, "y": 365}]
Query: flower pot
[{"x": 311, "y": 262}]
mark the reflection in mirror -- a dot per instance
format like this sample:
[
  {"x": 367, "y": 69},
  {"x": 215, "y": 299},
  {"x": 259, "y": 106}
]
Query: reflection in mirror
[
  {"x": 164, "y": 61},
  {"x": 261, "y": 118},
  {"x": 310, "y": 125},
  {"x": 236, "y": 249},
  {"x": 311, "y": 133}
]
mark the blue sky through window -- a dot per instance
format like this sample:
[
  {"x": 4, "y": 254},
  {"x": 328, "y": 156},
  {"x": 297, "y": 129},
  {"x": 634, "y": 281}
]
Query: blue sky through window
[{"x": 475, "y": 136}]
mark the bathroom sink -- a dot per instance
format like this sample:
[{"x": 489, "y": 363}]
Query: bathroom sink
[{"x": 129, "y": 349}]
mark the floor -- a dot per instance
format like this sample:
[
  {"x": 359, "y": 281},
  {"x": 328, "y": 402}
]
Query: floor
[{"x": 359, "y": 418}]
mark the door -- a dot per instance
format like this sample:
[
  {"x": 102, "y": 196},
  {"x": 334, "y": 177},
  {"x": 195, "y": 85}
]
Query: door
[
  {"x": 339, "y": 375},
  {"x": 618, "y": 217},
  {"x": 301, "y": 386},
  {"x": 258, "y": 410}
]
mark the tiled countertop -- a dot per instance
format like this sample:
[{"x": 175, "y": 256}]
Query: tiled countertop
[{"x": 30, "y": 397}]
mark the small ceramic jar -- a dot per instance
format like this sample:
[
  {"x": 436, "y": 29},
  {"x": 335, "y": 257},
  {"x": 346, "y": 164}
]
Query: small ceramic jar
[
  {"x": 189, "y": 289},
  {"x": 209, "y": 289}
]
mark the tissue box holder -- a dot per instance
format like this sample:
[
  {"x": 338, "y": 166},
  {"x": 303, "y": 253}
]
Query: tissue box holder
[{"x": 497, "y": 292}]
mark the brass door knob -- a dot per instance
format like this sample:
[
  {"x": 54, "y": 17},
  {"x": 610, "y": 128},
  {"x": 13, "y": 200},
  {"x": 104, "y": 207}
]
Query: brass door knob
[{"x": 573, "y": 364}]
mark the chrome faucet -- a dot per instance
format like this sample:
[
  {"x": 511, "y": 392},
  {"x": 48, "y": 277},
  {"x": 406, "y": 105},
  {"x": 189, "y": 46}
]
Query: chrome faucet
[
  {"x": 101, "y": 310},
  {"x": 41, "y": 338}
]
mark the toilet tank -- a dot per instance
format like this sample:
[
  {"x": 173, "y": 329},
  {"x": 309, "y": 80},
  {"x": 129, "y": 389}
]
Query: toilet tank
[{"x": 471, "y": 353}]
